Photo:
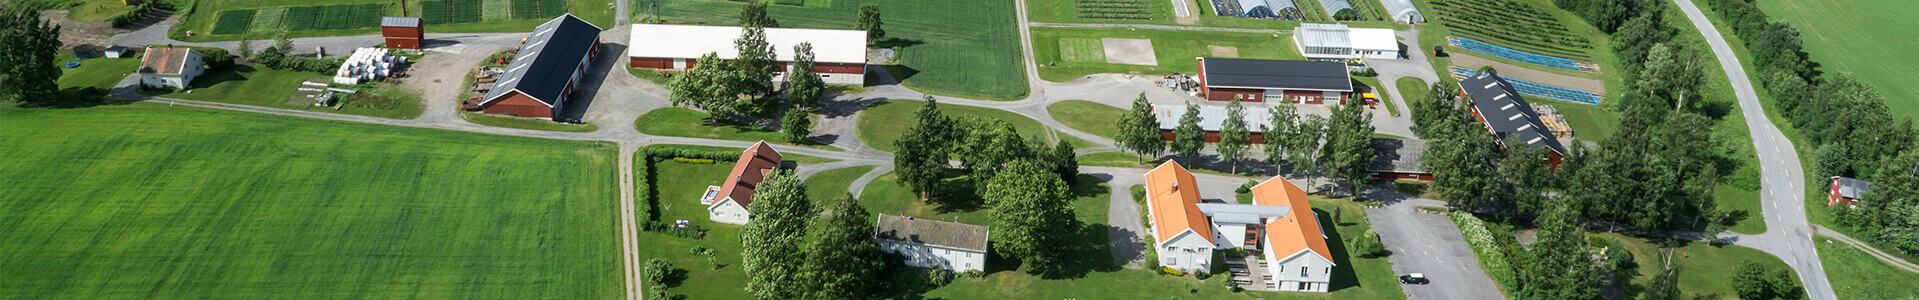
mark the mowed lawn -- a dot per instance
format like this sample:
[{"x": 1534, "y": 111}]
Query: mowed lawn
[
  {"x": 1174, "y": 50},
  {"x": 1873, "y": 39},
  {"x": 1087, "y": 116},
  {"x": 1082, "y": 50},
  {"x": 271, "y": 88},
  {"x": 98, "y": 72},
  {"x": 150, "y": 201},
  {"x": 960, "y": 48},
  {"x": 1704, "y": 268},
  {"x": 885, "y": 121},
  {"x": 1857, "y": 275},
  {"x": 675, "y": 121}
]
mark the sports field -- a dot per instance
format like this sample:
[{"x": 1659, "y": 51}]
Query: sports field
[
  {"x": 1870, "y": 38},
  {"x": 149, "y": 201},
  {"x": 1082, "y": 50},
  {"x": 959, "y": 48},
  {"x": 1175, "y": 50}
]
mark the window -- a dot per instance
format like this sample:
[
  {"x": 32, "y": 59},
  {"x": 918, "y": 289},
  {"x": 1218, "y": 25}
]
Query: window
[
  {"x": 1303, "y": 286},
  {"x": 1302, "y": 271},
  {"x": 1329, "y": 270},
  {"x": 1170, "y": 260}
]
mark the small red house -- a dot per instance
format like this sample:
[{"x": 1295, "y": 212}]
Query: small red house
[
  {"x": 402, "y": 32},
  {"x": 735, "y": 195},
  {"x": 1399, "y": 159},
  {"x": 1262, "y": 80},
  {"x": 547, "y": 70},
  {"x": 1847, "y": 190}
]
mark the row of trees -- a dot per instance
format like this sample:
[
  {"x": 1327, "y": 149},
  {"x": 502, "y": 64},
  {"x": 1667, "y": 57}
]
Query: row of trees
[
  {"x": 842, "y": 262},
  {"x": 1289, "y": 137},
  {"x": 1846, "y": 124},
  {"x": 1024, "y": 182},
  {"x": 27, "y": 73}
]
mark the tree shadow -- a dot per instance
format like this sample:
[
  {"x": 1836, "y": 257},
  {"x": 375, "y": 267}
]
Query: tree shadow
[
  {"x": 675, "y": 277},
  {"x": 957, "y": 193},
  {"x": 896, "y": 42},
  {"x": 213, "y": 77}
]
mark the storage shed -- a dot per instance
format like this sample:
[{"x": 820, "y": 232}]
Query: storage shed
[{"x": 402, "y": 32}]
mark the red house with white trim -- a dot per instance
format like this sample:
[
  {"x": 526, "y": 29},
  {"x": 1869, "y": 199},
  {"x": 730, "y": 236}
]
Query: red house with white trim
[{"x": 1847, "y": 190}]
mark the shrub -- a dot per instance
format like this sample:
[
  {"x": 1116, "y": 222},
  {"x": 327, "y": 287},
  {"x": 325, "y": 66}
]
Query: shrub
[
  {"x": 1368, "y": 245},
  {"x": 656, "y": 270},
  {"x": 657, "y": 292},
  {"x": 939, "y": 277},
  {"x": 215, "y": 58},
  {"x": 975, "y": 274},
  {"x": 1203, "y": 275},
  {"x": 1749, "y": 281},
  {"x": 702, "y": 161},
  {"x": 1246, "y": 187},
  {"x": 1171, "y": 271}
]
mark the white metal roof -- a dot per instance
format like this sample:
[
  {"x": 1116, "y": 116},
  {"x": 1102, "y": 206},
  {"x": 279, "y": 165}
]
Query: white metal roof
[
  {"x": 1211, "y": 118},
  {"x": 1323, "y": 35},
  {"x": 1373, "y": 39},
  {"x": 693, "y": 41}
]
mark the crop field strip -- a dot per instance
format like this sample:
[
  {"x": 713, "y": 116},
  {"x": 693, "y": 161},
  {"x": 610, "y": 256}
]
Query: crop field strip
[
  {"x": 1510, "y": 22},
  {"x": 450, "y": 11},
  {"x": 1114, "y": 9},
  {"x": 267, "y": 19},
  {"x": 496, "y": 10},
  {"x": 538, "y": 9},
  {"x": 233, "y": 21},
  {"x": 296, "y": 18},
  {"x": 1082, "y": 50},
  {"x": 469, "y": 11}
]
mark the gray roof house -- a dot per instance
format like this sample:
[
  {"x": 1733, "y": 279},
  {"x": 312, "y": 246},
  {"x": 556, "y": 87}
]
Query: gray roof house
[{"x": 929, "y": 243}]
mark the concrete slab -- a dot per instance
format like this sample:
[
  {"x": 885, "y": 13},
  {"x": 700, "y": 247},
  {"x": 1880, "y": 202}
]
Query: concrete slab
[{"x": 1130, "y": 51}]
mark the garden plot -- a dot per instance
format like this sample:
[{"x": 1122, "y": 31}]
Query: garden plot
[
  {"x": 1130, "y": 51},
  {"x": 267, "y": 19},
  {"x": 297, "y": 18},
  {"x": 1081, "y": 50},
  {"x": 1224, "y": 51},
  {"x": 496, "y": 10}
]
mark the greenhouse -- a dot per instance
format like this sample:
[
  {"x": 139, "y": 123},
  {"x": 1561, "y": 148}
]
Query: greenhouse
[
  {"x": 1261, "y": 9},
  {"x": 1334, "y": 6},
  {"x": 1403, "y": 11}
]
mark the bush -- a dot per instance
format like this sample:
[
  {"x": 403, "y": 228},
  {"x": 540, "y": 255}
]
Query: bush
[
  {"x": 1203, "y": 275},
  {"x": 215, "y": 58},
  {"x": 1171, "y": 271},
  {"x": 974, "y": 274},
  {"x": 1784, "y": 285},
  {"x": 274, "y": 58},
  {"x": 657, "y": 270},
  {"x": 939, "y": 277},
  {"x": 694, "y": 160},
  {"x": 1246, "y": 187},
  {"x": 1368, "y": 245},
  {"x": 1749, "y": 281},
  {"x": 657, "y": 292}
]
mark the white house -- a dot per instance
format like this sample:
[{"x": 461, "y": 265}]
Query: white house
[
  {"x": 839, "y": 56},
  {"x": 929, "y": 243},
  {"x": 730, "y": 200},
  {"x": 170, "y": 67},
  {"x": 1280, "y": 223},
  {"x": 1336, "y": 41}
]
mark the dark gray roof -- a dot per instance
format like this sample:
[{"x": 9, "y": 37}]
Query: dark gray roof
[
  {"x": 1398, "y": 156},
  {"x": 931, "y": 232},
  {"x": 547, "y": 59},
  {"x": 1852, "y": 188},
  {"x": 1506, "y": 113},
  {"x": 1276, "y": 74},
  {"x": 399, "y": 22}
]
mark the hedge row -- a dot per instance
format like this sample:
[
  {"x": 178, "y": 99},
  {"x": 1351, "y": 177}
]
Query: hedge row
[{"x": 643, "y": 189}]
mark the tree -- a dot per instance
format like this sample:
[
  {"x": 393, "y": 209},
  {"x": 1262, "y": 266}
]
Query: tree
[
  {"x": 1139, "y": 131},
  {"x": 1676, "y": 70},
  {"x": 705, "y": 252},
  {"x": 1349, "y": 145},
  {"x": 656, "y": 271},
  {"x": 754, "y": 15},
  {"x": 1032, "y": 215},
  {"x": 770, "y": 253},
  {"x": 1749, "y": 281},
  {"x": 804, "y": 88},
  {"x": 246, "y": 49},
  {"x": 1560, "y": 267},
  {"x": 1189, "y": 138},
  {"x": 282, "y": 43},
  {"x": 27, "y": 71},
  {"x": 705, "y": 86},
  {"x": 1664, "y": 284},
  {"x": 1232, "y": 135},
  {"x": 752, "y": 70},
  {"x": 1305, "y": 144},
  {"x": 1784, "y": 285},
  {"x": 844, "y": 261},
  {"x": 1788, "y": 90},
  {"x": 797, "y": 124},
  {"x": 921, "y": 160},
  {"x": 870, "y": 22},
  {"x": 990, "y": 145},
  {"x": 1065, "y": 161},
  {"x": 1283, "y": 124},
  {"x": 1368, "y": 245},
  {"x": 1459, "y": 158},
  {"x": 1637, "y": 36},
  {"x": 1439, "y": 108}
]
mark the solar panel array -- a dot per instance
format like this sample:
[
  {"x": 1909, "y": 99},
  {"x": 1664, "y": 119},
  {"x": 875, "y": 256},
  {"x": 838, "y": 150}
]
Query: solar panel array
[
  {"x": 1543, "y": 90},
  {"x": 1522, "y": 56}
]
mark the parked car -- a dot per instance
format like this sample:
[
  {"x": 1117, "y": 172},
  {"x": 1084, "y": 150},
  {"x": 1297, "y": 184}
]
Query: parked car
[{"x": 1414, "y": 278}]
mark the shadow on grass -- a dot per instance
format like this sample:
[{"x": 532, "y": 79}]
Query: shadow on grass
[
  {"x": 1343, "y": 276},
  {"x": 216, "y": 77}
]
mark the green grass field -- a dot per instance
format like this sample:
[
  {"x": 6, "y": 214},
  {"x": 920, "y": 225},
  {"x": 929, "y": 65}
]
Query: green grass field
[
  {"x": 1703, "y": 267},
  {"x": 1413, "y": 89},
  {"x": 830, "y": 185},
  {"x": 150, "y": 201},
  {"x": 1082, "y": 50},
  {"x": 1857, "y": 275},
  {"x": 98, "y": 10},
  {"x": 525, "y": 123},
  {"x": 1854, "y": 36},
  {"x": 271, "y": 88},
  {"x": 1067, "y": 11},
  {"x": 1115, "y": 159},
  {"x": 884, "y": 121},
  {"x": 959, "y": 48},
  {"x": 674, "y": 121},
  {"x": 679, "y": 197},
  {"x": 98, "y": 72},
  {"x": 206, "y": 19},
  {"x": 1175, "y": 50},
  {"x": 1087, "y": 116}
]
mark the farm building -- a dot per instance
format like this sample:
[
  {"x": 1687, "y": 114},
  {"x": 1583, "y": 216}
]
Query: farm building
[
  {"x": 730, "y": 200},
  {"x": 1259, "y": 80},
  {"x": 1336, "y": 41},
  {"x": 1279, "y": 224},
  {"x": 402, "y": 32},
  {"x": 1397, "y": 159},
  {"x": 1403, "y": 11},
  {"x": 1509, "y": 117},
  {"x": 1259, "y": 9},
  {"x": 1211, "y": 119},
  {"x": 547, "y": 70},
  {"x": 928, "y": 243},
  {"x": 839, "y": 55},
  {"x": 170, "y": 67},
  {"x": 1847, "y": 190},
  {"x": 116, "y": 52}
]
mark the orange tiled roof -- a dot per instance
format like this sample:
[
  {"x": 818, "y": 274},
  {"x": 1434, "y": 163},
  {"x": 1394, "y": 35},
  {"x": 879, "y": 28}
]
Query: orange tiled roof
[
  {"x": 1299, "y": 229},
  {"x": 755, "y": 162},
  {"x": 1172, "y": 192},
  {"x": 164, "y": 60}
]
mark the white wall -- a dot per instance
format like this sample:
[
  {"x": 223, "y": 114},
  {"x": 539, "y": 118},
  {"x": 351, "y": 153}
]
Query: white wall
[
  {"x": 1186, "y": 252},
  {"x": 728, "y": 211},
  {"x": 928, "y": 256},
  {"x": 1229, "y": 236},
  {"x": 1316, "y": 277}
]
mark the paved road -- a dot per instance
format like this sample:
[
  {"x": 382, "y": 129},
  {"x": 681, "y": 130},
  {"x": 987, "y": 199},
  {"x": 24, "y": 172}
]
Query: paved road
[
  {"x": 1430, "y": 243},
  {"x": 1788, "y": 234}
]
